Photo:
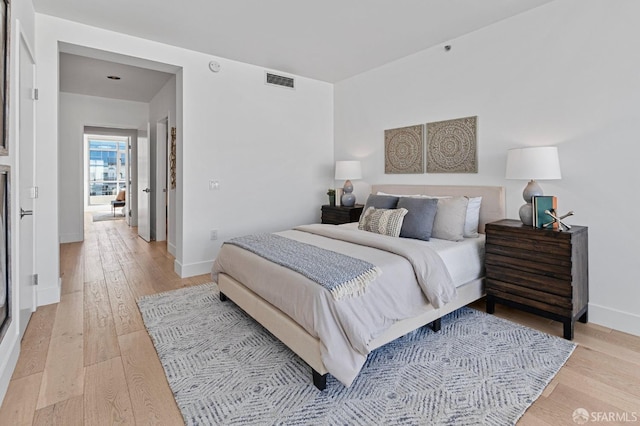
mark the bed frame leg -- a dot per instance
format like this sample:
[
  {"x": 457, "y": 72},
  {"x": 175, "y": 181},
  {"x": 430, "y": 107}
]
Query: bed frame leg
[
  {"x": 436, "y": 325},
  {"x": 320, "y": 381},
  {"x": 223, "y": 297}
]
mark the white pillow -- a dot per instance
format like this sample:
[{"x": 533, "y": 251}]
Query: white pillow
[
  {"x": 472, "y": 218},
  {"x": 450, "y": 219}
]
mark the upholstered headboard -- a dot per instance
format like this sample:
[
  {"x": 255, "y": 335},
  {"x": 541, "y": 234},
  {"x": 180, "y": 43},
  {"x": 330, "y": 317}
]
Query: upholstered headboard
[{"x": 493, "y": 198}]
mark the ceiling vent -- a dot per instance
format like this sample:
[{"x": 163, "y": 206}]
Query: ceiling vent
[{"x": 279, "y": 80}]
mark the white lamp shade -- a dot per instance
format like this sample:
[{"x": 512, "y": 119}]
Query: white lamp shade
[
  {"x": 348, "y": 170},
  {"x": 537, "y": 163}
]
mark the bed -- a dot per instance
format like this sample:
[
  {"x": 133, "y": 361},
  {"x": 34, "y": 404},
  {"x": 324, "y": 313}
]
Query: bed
[{"x": 306, "y": 319}]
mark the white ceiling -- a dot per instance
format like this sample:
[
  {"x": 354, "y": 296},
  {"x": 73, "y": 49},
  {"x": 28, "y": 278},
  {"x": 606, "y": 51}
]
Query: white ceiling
[
  {"x": 88, "y": 76},
  {"x": 328, "y": 40}
]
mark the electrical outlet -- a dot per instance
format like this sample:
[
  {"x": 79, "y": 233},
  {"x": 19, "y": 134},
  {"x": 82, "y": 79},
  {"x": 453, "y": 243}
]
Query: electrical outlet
[
  {"x": 213, "y": 235},
  {"x": 214, "y": 185}
]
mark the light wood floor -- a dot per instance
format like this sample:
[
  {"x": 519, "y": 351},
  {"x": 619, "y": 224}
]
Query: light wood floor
[{"x": 88, "y": 359}]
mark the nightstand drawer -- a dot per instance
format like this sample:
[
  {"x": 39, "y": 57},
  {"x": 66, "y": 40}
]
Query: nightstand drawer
[
  {"x": 555, "y": 248},
  {"x": 560, "y": 269},
  {"x": 536, "y": 299},
  {"x": 530, "y": 280}
]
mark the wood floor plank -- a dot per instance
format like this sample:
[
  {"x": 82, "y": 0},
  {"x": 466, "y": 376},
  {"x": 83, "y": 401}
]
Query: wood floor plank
[
  {"x": 601, "y": 391},
  {"x": 20, "y": 401},
  {"x": 568, "y": 399},
  {"x": 72, "y": 268},
  {"x": 35, "y": 343},
  {"x": 138, "y": 280},
  {"x": 64, "y": 413},
  {"x": 106, "y": 398},
  {"x": 607, "y": 369},
  {"x": 69, "y": 315},
  {"x": 126, "y": 315},
  {"x": 151, "y": 396},
  {"x": 100, "y": 339},
  {"x": 63, "y": 374},
  {"x": 93, "y": 268}
]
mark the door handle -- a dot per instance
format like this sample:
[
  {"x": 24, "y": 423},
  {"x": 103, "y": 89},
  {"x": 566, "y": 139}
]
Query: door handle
[
  {"x": 146, "y": 190},
  {"x": 24, "y": 212}
]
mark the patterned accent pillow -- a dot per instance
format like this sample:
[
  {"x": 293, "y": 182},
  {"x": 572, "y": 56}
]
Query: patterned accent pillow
[{"x": 383, "y": 221}]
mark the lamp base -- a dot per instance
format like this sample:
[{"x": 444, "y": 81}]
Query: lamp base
[
  {"x": 348, "y": 199},
  {"x": 526, "y": 214},
  {"x": 526, "y": 210}
]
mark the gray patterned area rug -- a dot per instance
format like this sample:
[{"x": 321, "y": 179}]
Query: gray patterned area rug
[{"x": 224, "y": 369}]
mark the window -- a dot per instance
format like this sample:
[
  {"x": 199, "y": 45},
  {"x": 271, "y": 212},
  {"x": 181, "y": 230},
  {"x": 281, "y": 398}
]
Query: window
[{"x": 107, "y": 169}]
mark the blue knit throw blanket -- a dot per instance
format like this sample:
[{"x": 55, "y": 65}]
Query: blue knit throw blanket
[{"x": 344, "y": 276}]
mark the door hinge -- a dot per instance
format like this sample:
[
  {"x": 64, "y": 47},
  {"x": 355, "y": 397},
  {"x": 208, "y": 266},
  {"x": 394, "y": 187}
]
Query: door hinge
[
  {"x": 35, "y": 279},
  {"x": 35, "y": 94},
  {"x": 33, "y": 192}
]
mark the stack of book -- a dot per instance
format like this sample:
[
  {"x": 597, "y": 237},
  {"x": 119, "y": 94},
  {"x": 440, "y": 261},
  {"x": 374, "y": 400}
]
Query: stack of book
[{"x": 542, "y": 203}]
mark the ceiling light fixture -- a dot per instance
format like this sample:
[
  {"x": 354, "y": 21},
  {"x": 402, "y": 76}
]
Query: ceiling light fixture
[{"x": 113, "y": 77}]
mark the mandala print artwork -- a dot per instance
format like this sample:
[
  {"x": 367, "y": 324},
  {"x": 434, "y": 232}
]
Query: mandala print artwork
[
  {"x": 404, "y": 150},
  {"x": 451, "y": 146}
]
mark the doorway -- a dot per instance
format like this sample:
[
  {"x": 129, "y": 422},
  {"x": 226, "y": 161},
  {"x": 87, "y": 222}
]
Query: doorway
[{"x": 106, "y": 176}]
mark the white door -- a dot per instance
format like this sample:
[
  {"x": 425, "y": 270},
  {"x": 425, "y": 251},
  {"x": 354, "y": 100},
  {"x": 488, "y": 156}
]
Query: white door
[
  {"x": 27, "y": 190},
  {"x": 144, "y": 182}
]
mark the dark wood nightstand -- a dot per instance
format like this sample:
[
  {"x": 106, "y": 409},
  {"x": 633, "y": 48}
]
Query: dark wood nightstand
[
  {"x": 541, "y": 271},
  {"x": 337, "y": 215}
]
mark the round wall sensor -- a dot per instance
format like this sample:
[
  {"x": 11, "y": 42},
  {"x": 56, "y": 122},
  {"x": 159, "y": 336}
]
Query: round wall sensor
[{"x": 214, "y": 66}]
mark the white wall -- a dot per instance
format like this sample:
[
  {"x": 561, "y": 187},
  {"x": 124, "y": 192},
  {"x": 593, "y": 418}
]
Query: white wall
[
  {"x": 163, "y": 105},
  {"x": 76, "y": 112},
  {"x": 22, "y": 22},
  {"x": 564, "y": 74},
  {"x": 270, "y": 148}
]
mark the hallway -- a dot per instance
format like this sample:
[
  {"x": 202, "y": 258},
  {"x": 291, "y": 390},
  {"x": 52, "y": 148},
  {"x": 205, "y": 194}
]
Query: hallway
[{"x": 89, "y": 360}]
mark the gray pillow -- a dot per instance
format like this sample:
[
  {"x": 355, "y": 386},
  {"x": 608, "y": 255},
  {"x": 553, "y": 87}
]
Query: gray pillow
[
  {"x": 450, "y": 218},
  {"x": 418, "y": 223},
  {"x": 380, "y": 202}
]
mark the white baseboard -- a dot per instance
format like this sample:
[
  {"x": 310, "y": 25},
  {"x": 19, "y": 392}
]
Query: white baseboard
[
  {"x": 71, "y": 238},
  {"x": 192, "y": 269},
  {"x": 49, "y": 295},
  {"x": 613, "y": 318},
  {"x": 9, "y": 359},
  {"x": 171, "y": 248}
]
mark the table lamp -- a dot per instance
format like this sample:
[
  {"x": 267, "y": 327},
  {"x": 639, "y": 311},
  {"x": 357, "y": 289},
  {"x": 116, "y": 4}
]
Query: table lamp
[
  {"x": 532, "y": 163},
  {"x": 347, "y": 170}
]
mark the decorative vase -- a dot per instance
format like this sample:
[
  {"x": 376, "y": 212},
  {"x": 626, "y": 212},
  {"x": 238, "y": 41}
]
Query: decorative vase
[{"x": 332, "y": 200}]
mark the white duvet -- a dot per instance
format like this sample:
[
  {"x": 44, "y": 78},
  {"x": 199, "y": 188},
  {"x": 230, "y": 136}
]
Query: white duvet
[{"x": 413, "y": 274}]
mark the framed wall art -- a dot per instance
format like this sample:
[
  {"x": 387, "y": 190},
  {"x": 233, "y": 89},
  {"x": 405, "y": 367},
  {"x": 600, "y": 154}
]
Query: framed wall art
[
  {"x": 172, "y": 158},
  {"x": 5, "y": 21},
  {"x": 452, "y": 147},
  {"x": 404, "y": 150}
]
